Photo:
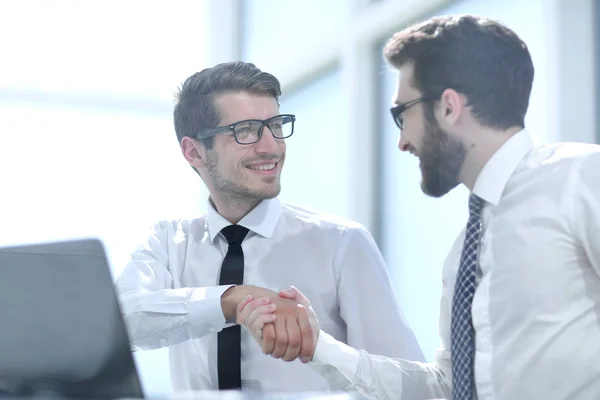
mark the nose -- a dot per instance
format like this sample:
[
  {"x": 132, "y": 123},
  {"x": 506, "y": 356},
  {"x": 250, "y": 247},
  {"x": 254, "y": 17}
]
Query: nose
[
  {"x": 267, "y": 142},
  {"x": 403, "y": 144}
]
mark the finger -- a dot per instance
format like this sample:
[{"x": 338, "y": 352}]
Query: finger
[
  {"x": 256, "y": 328},
  {"x": 294, "y": 294},
  {"x": 249, "y": 307},
  {"x": 300, "y": 298},
  {"x": 254, "y": 309},
  {"x": 294, "y": 340},
  {"x": 280, "y": 338},
  {"x": 242, "y": 304},
  {"x": 307, "y": 348},
  {"x": 257, "y": 312},
  {"x": 268, "y": 339},
  {"x": 289, "y": 293}
]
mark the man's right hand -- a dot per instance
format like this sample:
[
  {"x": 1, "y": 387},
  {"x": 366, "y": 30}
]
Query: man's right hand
[
  {"x": 288, "y": 333},
  {"x": 285, "y": 336}
]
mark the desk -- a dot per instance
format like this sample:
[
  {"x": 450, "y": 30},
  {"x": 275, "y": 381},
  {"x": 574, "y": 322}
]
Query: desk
[
  {"x": 235, "y": 395},
  {"x": 216, "y": 395}
]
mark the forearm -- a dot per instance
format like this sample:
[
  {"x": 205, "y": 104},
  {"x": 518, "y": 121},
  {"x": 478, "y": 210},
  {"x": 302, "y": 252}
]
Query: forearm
[{"x": 171, "y": 316}]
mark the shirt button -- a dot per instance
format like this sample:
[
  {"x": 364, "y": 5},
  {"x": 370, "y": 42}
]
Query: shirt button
[
  {"x": 211, "y": 328},
  {"x": 164, "y": 342}
]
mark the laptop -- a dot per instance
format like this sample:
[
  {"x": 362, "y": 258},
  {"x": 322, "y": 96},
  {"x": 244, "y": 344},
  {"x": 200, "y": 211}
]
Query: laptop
[{"x": 61, "y": 328}]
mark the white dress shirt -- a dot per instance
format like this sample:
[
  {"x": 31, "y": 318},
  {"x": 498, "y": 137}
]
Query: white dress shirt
[
  {"x": 536, "y": 310},
  {"x": 169, "y": 295}
]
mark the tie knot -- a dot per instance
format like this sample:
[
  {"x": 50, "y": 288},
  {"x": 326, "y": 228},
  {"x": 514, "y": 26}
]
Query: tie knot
[
  {"x": 234, "y": 234},
  {"x": 476, "y": 204}
]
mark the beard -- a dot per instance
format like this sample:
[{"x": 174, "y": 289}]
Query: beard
[
  {"x": 441, "y": 157},
  {"x": 235, "y": 192}
]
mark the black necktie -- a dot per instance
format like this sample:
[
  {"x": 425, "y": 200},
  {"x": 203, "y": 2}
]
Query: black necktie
[{"x": 232, "y": 272}]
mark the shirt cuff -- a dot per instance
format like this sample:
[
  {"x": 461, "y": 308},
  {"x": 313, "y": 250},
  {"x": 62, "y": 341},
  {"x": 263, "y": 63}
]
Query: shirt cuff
[
  {"x": 330, "y": 351},
  {"x": 204, "y": 310}
]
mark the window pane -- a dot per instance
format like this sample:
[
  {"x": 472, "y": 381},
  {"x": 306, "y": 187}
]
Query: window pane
[
  {"x": 73, "y": 173},
  {"x": 77, "y": 172},
  {"x": 597, "y": 69},
  {"x": 88, "y": 147},
  {"x": 132, "y": 48},
  {"x": 417, "y": 231},
  {"x": 273, "y": 29},
  {"x": 317, "y": 153}
]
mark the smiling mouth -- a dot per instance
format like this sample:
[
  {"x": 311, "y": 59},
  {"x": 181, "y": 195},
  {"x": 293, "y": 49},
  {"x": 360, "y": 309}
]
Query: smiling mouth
[{"x": 263, "y": 167}]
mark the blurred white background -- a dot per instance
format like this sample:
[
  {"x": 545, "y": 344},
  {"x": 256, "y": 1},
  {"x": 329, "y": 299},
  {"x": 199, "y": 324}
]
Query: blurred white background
[{"x": 88, "y": 149}]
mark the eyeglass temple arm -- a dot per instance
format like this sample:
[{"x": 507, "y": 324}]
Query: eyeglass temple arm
[{"x": 205, "y": 134}]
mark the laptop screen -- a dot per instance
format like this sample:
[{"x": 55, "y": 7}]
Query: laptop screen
[{"x": 62, "y": 330}]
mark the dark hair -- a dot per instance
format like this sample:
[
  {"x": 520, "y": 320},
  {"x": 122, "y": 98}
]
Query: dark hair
[
  {"x": 476, "y": 56},
  {"x": 195, "y": 109}
]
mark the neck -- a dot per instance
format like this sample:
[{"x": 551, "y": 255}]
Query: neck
[
  {"x": 233, "y": 210},
  {"x": 481, "y": 145}
]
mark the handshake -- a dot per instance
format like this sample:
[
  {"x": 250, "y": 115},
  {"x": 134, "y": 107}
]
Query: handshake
[{"x": 284, "y": 324}]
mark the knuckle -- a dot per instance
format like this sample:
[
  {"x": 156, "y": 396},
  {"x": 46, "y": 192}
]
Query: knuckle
[
  {"x": 281, "y": 336},
  {"x": 306, "y": 330},
  {"x": 280, "y": 347},
  {"x": 294, "y": 343},
  {"x": 279, "y": 350},
  {"x": 267, "y": 347},
  {"x": 254, "y": 304},
  {"x": 268, "y": 336}
]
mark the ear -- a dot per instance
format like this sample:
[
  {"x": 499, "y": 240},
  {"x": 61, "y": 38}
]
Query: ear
[
  {"x": 194, "y": 151},
  {"x": 451, "y": 106}
]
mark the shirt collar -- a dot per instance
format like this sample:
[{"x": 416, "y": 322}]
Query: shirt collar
[
  {"x": 497, "y": 171},
  {"x": 260, "y": 220}
]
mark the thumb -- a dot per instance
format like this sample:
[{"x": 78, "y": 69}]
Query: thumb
[
  {"x": 293, "y": 293},
  {"x": 289, "y": 293}
]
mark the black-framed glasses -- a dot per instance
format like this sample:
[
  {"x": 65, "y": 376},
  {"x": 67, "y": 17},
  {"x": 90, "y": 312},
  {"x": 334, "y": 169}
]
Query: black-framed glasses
[
  {"x": 250, "y": 130},
  {"x": 398, "y": 111}
]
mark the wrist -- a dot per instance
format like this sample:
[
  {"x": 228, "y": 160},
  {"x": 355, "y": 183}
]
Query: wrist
[{"x": 230, "y": 300}]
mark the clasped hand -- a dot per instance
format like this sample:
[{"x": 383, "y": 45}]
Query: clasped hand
[{"x": 285, "y": 326}]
